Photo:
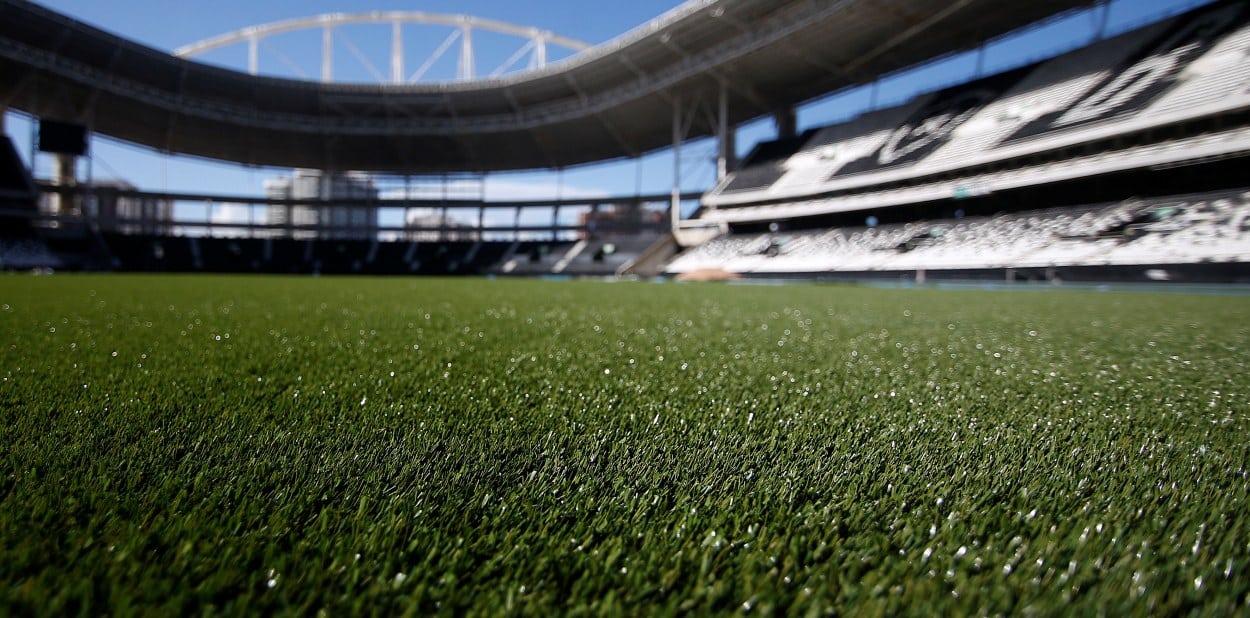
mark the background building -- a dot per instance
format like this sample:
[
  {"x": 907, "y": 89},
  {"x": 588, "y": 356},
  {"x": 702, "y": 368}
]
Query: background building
[
  {"x": 427, "y": 224},
  {"x": 340, "y": 219},
  {"x": 622, "y": 218},
  {"x": 130, "y": 214}
]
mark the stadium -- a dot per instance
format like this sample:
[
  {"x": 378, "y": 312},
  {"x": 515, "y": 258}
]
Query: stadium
[
  {"x": 1116, "y": 161},
  {"x": 980, "y": 349}
]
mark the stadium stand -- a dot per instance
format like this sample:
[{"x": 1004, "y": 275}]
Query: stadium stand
[
  {"x": 763, "y": 166},
  {"x": 82, "y": 249},
  {"x": 17, "y": 189},
  {"x": 284, "y": 255},
  {"x": 608, "y": 256},
  {"x": 534, "y": 258},
  {"x": 1123, "y": 156},
  {"x": 1178, "y": 70},
  {"x": 1152, "y": 234},
  {"x": 1121, "y": 160},
  {"x": 20, "y": 249}
]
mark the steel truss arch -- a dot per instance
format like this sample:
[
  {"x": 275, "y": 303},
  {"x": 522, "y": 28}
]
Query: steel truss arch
[{"x": 463, "y": 26}]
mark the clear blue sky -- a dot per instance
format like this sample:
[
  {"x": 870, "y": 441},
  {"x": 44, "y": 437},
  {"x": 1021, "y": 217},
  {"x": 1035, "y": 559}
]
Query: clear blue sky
[{"x": 168, "y": 24}]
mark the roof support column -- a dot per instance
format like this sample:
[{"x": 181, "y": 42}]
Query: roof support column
[
  {"x": 34, "y": 131},
  {"x": 786, "y": 121},
  {"x": 675, "y": 198},
  {"x": 724, "y": 137},
  {"x": 1103, "y": 8},
  {"x": 555, "y": 223}
]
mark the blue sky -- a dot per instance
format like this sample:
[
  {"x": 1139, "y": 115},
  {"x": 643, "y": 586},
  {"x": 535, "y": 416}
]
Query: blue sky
[{"x": 168, "y": 24}]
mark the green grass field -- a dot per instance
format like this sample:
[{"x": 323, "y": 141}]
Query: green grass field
[{"x": 190, "y": 444}]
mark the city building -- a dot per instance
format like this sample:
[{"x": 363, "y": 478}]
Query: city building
[
  {"x": 351, "y": 212},
  {"x": 428, "y": 224},
  {"x": 127, "y": 214}
]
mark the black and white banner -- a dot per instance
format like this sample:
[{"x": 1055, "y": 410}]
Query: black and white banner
[
  {"x": 931, "y": 126},
  {"x": 1145, "y": 76}
]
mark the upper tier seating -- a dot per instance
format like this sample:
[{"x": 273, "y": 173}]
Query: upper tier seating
[{"x": 1185, "y": 68}]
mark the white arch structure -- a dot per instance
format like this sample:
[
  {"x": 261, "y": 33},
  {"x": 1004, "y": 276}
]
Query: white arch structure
[{"x": 462, "y": 26}]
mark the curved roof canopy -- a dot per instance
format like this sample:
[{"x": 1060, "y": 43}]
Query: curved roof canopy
[{"x": 614, "y": 100}]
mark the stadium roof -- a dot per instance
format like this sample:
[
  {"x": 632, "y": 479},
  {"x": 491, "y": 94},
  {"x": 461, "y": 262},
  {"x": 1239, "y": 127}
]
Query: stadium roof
[{"x": 614, "y": 100}]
